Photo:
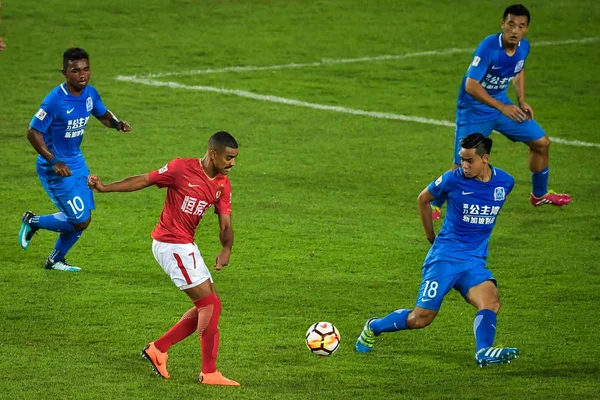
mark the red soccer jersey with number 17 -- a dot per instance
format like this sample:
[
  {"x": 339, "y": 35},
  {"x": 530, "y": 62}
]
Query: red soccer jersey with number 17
[{"x": 190, "y": 192}]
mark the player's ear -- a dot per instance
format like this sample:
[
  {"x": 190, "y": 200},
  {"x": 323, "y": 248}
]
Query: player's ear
[{"x": 486, "y": 158}]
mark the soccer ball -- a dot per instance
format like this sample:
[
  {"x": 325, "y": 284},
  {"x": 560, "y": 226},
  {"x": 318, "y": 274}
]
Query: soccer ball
[{"x": 322, "y": 339}]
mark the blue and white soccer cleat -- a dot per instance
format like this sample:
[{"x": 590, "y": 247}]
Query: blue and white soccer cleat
[
  {"x": 62, "y": 265},
  {"x": 495, "y": 355},
  {"x": 365, "y": 341},
  {"x": 26, "y": 232}
]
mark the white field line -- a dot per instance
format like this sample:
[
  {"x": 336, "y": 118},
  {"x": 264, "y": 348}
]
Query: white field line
[
  {"x": 350, "y": 60},
  {"x": 275, "y": 99},
  {"x": 299, "y": 103}
]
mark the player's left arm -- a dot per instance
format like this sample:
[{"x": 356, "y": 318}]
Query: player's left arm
[
  {"x": 519, "y": 84},
  {"x": 111, "y": 121},
  {"x": 226, "y": 238},
  {"x": 424, "y": 201}
]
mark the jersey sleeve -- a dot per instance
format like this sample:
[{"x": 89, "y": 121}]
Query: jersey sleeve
[
  {"x": 99, "y": 107},
  {"x": 442, "y": 185},
  {"x": 511, "y": 184},
  {"x": 223, "y": 204},
  {"x": 167, "y": 175},
  {"x": 482, "y": 59},
  {"x": 42, "y": 120}
]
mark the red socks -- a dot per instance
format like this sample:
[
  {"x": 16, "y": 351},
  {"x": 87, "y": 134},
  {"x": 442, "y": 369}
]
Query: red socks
[
  {"x": 209, "y": 311},
  {"x": 182, "y": 329},
  {"x": 204, "y": 318}
]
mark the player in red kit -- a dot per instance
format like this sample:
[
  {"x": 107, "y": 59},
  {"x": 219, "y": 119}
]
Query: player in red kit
[{"x": 193, "y": 186}]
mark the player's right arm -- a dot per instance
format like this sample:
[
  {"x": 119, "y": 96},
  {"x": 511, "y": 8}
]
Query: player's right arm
[
  {"x": 478, "y": 92},
  {"x": 36, "y": 139},
  {"x": 164, "y": 177},
  {"x": 424, "y": 201},
  {"x": 130, "y": 184},
  {"x": 40, "y": 124},
  {"x": 482, "y": 60}
]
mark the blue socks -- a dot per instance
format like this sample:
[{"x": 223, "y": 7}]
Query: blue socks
[
  {"x": 484, "y": 328},
  {"x": 395, "y": 321},
  {"x": 52, "y": 222},
  {"x": 63, "y": 245},
  {"x": 539, "y": 181}
]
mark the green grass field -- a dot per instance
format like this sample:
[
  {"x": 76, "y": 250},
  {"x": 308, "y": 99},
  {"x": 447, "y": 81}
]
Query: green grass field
[{"x": 324, "y": 201}]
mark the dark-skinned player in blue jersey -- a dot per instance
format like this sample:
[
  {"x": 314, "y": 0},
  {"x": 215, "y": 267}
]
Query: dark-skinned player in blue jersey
[
  {"x": 474, "y": 193},
  {"x": 56, "y": 132}
]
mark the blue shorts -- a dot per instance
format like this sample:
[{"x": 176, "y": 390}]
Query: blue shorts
[
  {"x": 516, "y": 131},
  {"x": 441, "y": 276},
  {"x": 71, "y": 194}
]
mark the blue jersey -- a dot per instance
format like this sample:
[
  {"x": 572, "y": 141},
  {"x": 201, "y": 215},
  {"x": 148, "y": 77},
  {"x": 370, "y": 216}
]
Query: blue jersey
[
  {"x": 62, "y": 119},
  {"x": 494, "y": 70},
  {"x": 472, "y": 209}
]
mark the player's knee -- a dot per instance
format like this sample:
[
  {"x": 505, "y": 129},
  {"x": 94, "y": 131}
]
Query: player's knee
[
  {"x": 495, "y": 307},
  {"x": 540, "y": 145},
  {"x": 492, "y": 305},
  {"x": 82, "y": 226}
]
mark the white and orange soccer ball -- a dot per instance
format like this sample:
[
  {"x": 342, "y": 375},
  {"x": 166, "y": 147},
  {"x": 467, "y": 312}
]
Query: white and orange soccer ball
[{"x": 322, "y": 339}]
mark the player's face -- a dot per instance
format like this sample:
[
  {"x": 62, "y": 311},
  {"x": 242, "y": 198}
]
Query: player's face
[
  {"x": 473, "y": 165},
  {"x": 77, "y": 74},
  {"x": 224, "y": 160},
  {"x": 514, "y": 28}
]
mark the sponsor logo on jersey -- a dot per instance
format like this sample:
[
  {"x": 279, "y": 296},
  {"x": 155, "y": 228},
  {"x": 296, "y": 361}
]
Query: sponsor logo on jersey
[
  {"x": 163, "y": 169},
  {"x": 475, "y": 62},
  {"x": 89, "y": 104},
  {"x": 438, "y": 181}
]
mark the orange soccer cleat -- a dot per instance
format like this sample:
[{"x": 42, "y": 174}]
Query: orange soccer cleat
[
  {"x": 157, "y": 358},
  {"x": 216, "y": 378}
]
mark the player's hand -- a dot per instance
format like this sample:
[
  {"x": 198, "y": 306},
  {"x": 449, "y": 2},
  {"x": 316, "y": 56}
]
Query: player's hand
[
  {"x": 2, "y": 45},
  {"x": 514, "y": 113},
  {"x": 123, "y": 126},
  {"x": 527, "y": 109},
  {"x": 61, "y": 169},
  {"x": 431, "y": 239},
  {"x": 95, "y": 183},
  {"x": 222, "y": 259}
]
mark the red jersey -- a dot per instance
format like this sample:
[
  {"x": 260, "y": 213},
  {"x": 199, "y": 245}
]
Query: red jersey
[{"x": 190, "y": 193}]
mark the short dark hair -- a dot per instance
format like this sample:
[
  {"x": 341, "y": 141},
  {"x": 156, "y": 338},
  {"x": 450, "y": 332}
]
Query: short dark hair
[
  {"x": 73, "y": 54},
  {"x": 481, "y": 144},
  {"x": 518, "y": 10},
  {"x": 222, "y": 139}
]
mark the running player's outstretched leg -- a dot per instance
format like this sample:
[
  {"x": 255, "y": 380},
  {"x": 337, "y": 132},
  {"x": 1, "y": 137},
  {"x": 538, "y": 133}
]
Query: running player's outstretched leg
[
  {"x": 69, "y": 235},
  {"x": 392, "y": 322}
]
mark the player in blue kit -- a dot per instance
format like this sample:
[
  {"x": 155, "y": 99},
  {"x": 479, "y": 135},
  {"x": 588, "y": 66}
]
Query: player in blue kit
[
  {"x": 475, "y": 194},
  {"x": 483, "y": 104},
  {"x": 56, "y": 132}
]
